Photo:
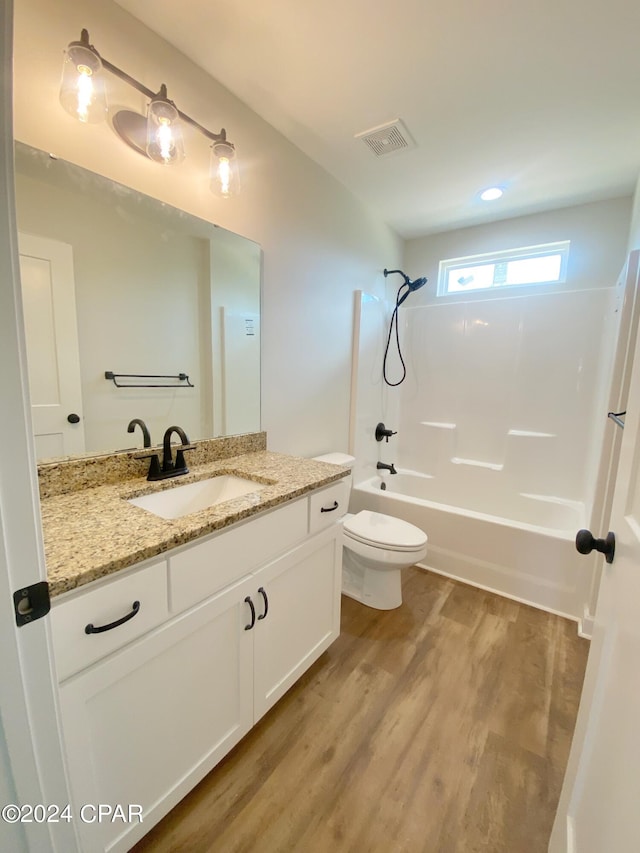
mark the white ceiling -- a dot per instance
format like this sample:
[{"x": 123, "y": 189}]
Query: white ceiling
[{"x": 539, "y": 96}]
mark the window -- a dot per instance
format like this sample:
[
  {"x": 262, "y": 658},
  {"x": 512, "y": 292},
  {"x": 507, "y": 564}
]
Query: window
[{"x": 531, "y": 265}]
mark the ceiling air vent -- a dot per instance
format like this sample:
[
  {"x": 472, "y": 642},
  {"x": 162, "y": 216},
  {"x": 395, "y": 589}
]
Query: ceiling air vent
[{"x": 387, "y": 138}]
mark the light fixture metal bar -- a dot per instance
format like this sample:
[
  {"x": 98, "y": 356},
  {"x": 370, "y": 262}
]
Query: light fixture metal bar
[
  {"x": 144, "y": 90},
  {"x": 118, "y": 72},
  {"x": 214, "y": 137}
]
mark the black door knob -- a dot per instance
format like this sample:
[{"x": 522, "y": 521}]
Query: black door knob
[
  {"x": 73, "y": 418},
  {"x": 585, "y": 543}
]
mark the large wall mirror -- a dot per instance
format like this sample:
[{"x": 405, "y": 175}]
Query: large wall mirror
[{"x": 116, "y": 282}]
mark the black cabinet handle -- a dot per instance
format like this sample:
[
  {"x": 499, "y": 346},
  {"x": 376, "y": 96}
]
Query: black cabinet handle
[
  {"x": 253, "y": 614},
  {"x": 329, "y": 508},
  {"x": 91, "y": 629},
  {"x": 266, "y": 603}
]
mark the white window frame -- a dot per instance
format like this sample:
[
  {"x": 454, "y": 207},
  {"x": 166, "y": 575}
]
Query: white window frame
[{"x": 525, "y": 253}]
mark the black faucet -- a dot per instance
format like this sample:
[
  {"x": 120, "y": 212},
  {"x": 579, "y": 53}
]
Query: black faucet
[
  {"x": 145, "y": 432},
  {"x": 382, "y": 466},
  {"x": 169, "y": 468},
  {"x": 383, "y": 432}
]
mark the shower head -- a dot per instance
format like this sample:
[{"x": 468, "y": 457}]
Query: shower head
[{"x": 410, "y": 285}]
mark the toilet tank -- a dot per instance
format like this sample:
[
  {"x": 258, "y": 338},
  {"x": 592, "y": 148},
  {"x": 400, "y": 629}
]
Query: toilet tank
[{"x": 343, "y": 459}]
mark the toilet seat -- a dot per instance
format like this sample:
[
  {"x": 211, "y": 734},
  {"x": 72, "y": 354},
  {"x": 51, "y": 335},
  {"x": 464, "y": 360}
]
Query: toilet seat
[{"x": 383, "y": 531}]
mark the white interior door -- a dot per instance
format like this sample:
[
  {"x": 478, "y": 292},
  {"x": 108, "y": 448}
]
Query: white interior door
[
  {"x": 48, "y": 297},
  {"x": 31, "y": 763},
  {"x": 599, "y": 806}
]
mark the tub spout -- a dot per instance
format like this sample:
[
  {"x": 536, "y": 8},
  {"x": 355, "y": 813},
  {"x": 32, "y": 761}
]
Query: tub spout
[{"x": 382, "y": 466}]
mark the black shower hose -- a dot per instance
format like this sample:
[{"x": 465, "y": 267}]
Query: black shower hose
[{"x": 394, "y": 321}]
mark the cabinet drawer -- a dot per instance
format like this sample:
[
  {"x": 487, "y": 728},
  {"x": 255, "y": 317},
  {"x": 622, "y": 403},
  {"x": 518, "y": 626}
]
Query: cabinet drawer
[
  {"x": 75, "y": 648},
  {"x": 327, "y": 506},
  {"x": 200, "y": 570}
]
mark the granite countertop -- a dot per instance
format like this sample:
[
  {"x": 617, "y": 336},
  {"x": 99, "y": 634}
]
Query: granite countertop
[{"x": 93, "y": 532}]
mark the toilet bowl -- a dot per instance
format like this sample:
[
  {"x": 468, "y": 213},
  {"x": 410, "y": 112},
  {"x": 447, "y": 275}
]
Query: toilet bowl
[{"x": 376, "y": 547}]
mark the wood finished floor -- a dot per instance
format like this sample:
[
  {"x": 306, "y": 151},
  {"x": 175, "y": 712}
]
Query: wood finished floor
[{"x": 440, "y": 727}]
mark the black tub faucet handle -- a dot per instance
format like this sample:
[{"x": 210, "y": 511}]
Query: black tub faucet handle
[{"x": 383, "y": 432}]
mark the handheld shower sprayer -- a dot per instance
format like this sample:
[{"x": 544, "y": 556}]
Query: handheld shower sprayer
[{"x": 403, "y": 292}]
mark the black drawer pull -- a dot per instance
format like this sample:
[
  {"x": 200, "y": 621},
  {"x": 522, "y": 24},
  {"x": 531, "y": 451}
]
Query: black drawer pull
[
  {"x": 253, "y": 614},
  {"x": 91, "y": 629},
  {"x": 266, "y": 603},
  {"x": 329, "y": 508}
]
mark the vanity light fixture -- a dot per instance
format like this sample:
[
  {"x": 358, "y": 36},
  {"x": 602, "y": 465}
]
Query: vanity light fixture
[{"x": 158, "y": 135}]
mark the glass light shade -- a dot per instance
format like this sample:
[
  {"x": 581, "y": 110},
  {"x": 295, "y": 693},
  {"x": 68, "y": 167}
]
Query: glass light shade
[
  {"x": 164, "y": 134},
  {"x": 225, "y": 177},
  {"x": 82, "y": 91}
]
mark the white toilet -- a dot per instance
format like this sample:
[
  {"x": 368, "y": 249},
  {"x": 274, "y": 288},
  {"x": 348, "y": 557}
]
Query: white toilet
[{"x": 376, "y": 548}]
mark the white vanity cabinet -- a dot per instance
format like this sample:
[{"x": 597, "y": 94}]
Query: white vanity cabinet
[
  {"x": 143, "y": 724},
  {"x": 147, "y": 723},
  {"x": 300, "y": 595}
]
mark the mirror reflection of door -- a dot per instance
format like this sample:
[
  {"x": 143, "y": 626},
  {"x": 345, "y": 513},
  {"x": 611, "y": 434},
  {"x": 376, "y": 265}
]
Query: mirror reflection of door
[{"x": 48, "y": 296}]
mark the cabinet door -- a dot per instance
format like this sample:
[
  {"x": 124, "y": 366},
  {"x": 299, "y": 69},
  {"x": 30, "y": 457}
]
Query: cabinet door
[
  {"x": 146, "y": 724},
  {"x": 301, "y": 596}
]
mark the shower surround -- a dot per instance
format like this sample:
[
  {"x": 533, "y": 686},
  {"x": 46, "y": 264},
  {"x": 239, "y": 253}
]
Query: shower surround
[
  {"x": 504, "y": 396},
  {"x": 500, "y": 422}
]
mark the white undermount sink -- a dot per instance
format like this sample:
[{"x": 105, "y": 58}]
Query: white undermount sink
[{"x": 183, "y": 500}]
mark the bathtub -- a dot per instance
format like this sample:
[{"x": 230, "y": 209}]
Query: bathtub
[{"x": 519, "y": 545}]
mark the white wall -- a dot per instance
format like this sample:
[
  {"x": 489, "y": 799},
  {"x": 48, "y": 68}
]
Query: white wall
[
  {"x": 598, "y": 234},
  {"x": 320, "y": 244}
]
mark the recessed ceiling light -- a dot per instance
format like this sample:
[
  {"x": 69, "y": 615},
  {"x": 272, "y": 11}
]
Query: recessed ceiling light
[{"x": 491, "y": 194}]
